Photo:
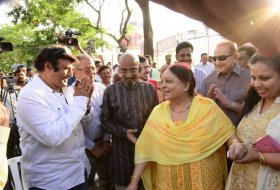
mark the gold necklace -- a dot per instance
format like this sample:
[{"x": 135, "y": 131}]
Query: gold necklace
[{"x": 182, "y": 111}]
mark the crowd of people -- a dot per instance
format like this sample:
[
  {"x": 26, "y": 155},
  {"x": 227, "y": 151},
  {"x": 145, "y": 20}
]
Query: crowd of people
[{"x": 207, "y": 125}]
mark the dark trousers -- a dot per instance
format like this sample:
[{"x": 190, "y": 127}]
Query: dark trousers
[
  {"x": 82, "y": 186},
  {"x": 100, "y": 167}
]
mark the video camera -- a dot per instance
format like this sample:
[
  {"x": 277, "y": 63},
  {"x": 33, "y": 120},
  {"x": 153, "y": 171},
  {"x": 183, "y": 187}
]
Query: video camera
[
  {"x": 11, "y": 81},
  {"x": 69, "y": 39},
  {"x": 5, "y": 46}
]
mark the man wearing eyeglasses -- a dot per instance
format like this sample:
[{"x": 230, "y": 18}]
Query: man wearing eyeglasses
[
  {"x": 126, "y": 107},
  {"x": 229, "y": 83},
  {"x": 48, "y": 115},
  {"x": 97, "y": 142},
  {"x": 184, "y": 52}
]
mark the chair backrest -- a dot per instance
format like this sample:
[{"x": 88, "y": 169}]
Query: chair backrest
[{"x": 14, "y": 164}]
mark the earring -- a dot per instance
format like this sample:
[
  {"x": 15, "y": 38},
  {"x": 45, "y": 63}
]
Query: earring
[{"x": 185, "y": 89}]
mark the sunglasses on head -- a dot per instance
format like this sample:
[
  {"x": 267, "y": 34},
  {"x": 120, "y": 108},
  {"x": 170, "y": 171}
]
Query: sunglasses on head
[{"x": 221, "y": 57}]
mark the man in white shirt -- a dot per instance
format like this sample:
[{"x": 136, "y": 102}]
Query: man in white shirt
[
  {"x": 49, "y": 113},
  {"x": 184, "y": 52},
  {"x": 97, "y": 142},
  {"x": 204, "y": 65}
]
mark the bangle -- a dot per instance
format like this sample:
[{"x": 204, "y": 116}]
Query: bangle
[
  {"x": 233, "y": 142},
  {"x": 262, "y": 160},
  {"x": 135, "y": 176}
]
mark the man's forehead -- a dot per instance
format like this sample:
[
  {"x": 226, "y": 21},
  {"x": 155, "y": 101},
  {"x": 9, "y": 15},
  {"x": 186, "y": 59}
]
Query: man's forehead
[
  {"x": 185, "y": 51},
  {"x": 222, "y": 48},
  {"x": 144, "y": 64},
  {"x": 128, "y": 61},
  {"x": 86, "y": 62}
]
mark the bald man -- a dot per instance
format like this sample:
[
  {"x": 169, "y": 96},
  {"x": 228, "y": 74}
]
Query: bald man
[{"x": 126, "y": 107}]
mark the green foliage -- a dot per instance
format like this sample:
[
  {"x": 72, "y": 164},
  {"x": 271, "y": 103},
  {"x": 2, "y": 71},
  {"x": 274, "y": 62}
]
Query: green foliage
[{"x": 38, "y": 24}]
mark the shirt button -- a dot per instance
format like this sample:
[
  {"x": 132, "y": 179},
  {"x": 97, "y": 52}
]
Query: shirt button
[{"x": 58, "y": 108}]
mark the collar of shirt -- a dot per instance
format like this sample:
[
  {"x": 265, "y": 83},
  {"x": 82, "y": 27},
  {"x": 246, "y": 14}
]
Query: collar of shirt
[
  {"x": 40, "y": 82},
  {"x": 236, "y": 69}
]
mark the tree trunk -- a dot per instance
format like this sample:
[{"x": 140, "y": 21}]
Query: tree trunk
[{"x": 147, "y": 27}]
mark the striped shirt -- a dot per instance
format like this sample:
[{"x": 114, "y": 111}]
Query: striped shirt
[
  {"x": 199, "y": 76},
  {"x": 125, "y": 108}
]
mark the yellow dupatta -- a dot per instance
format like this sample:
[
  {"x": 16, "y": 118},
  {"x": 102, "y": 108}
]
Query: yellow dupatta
[{"x": 207, "y": 128}]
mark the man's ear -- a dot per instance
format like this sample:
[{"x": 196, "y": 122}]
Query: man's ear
[{"x": 48, "y": 66}]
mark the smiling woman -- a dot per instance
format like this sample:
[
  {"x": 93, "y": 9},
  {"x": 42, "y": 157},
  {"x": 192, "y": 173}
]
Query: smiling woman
[
  {"x": 185, "y": 149},
  {"x": 260, "y": 117}
]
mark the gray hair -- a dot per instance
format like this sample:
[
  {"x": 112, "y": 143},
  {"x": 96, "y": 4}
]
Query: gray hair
[{"x": 81, "y": 57}]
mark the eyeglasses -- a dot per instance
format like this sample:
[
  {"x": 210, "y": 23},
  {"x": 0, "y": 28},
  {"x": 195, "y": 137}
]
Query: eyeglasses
[
  {"x": 87, "y": 70},
  {"x": 221, "y": 57}
]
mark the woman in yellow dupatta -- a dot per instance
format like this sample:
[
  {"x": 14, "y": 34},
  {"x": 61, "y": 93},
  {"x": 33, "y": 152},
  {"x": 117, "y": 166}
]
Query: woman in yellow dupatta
[{"x": 181, "y": 145}]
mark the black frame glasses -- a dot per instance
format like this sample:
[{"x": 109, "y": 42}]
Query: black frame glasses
[{"x": 221, "y": 57}]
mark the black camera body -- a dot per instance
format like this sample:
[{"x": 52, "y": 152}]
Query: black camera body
[
  {"x": 11, "y": 81},
  {"x": 69, "y": 39},
  {"x": 5, "y": 46}
]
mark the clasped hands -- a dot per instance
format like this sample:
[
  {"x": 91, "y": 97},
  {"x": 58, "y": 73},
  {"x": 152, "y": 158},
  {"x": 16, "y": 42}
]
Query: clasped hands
[
  {"x": 83, "y": 87},
  {"x": 241, "y": 153}
]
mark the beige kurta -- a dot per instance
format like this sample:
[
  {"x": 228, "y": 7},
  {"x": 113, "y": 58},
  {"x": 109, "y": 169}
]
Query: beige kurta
[{"x": 251, "y": 128}]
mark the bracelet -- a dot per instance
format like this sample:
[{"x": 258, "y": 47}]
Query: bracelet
[
  {"x": 135, "y": 176},
  {"x": 262, "y": 160},
  {"x": 234, "y": 141}
]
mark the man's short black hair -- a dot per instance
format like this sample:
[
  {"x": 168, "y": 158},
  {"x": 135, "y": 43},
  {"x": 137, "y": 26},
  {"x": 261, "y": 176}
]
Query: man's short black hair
[
  {"x": 183, "y": 45},
  {"x": 203, "y": 54},
  {"x": 20, "y": 66},
  {"x": 250, "y": 50},
  {"x": 51, "y": 54},
  {"x": 103, "y": 67},
  {"x": 142, "y": 59}
]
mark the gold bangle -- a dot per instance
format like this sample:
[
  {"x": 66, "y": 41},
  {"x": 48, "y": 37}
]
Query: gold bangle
[
  {"x": 233, "y": 141},
  {"x": 135, "y": 176},
  {"x": 262, "y": 160}
]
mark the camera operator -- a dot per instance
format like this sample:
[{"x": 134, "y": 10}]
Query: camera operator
[
  {"x": 21, "y": 78},
  {"x": 69, "y": 40}
]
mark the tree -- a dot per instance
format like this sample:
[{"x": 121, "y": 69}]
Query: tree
[
  {"x": 38, "y": 24},
  {"x": 147, "y": 27},
  {"x": 121, "y": 38}
]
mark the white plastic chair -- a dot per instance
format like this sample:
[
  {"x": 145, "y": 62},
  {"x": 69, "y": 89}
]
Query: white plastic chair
[{"x": 13, "y": 163}]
